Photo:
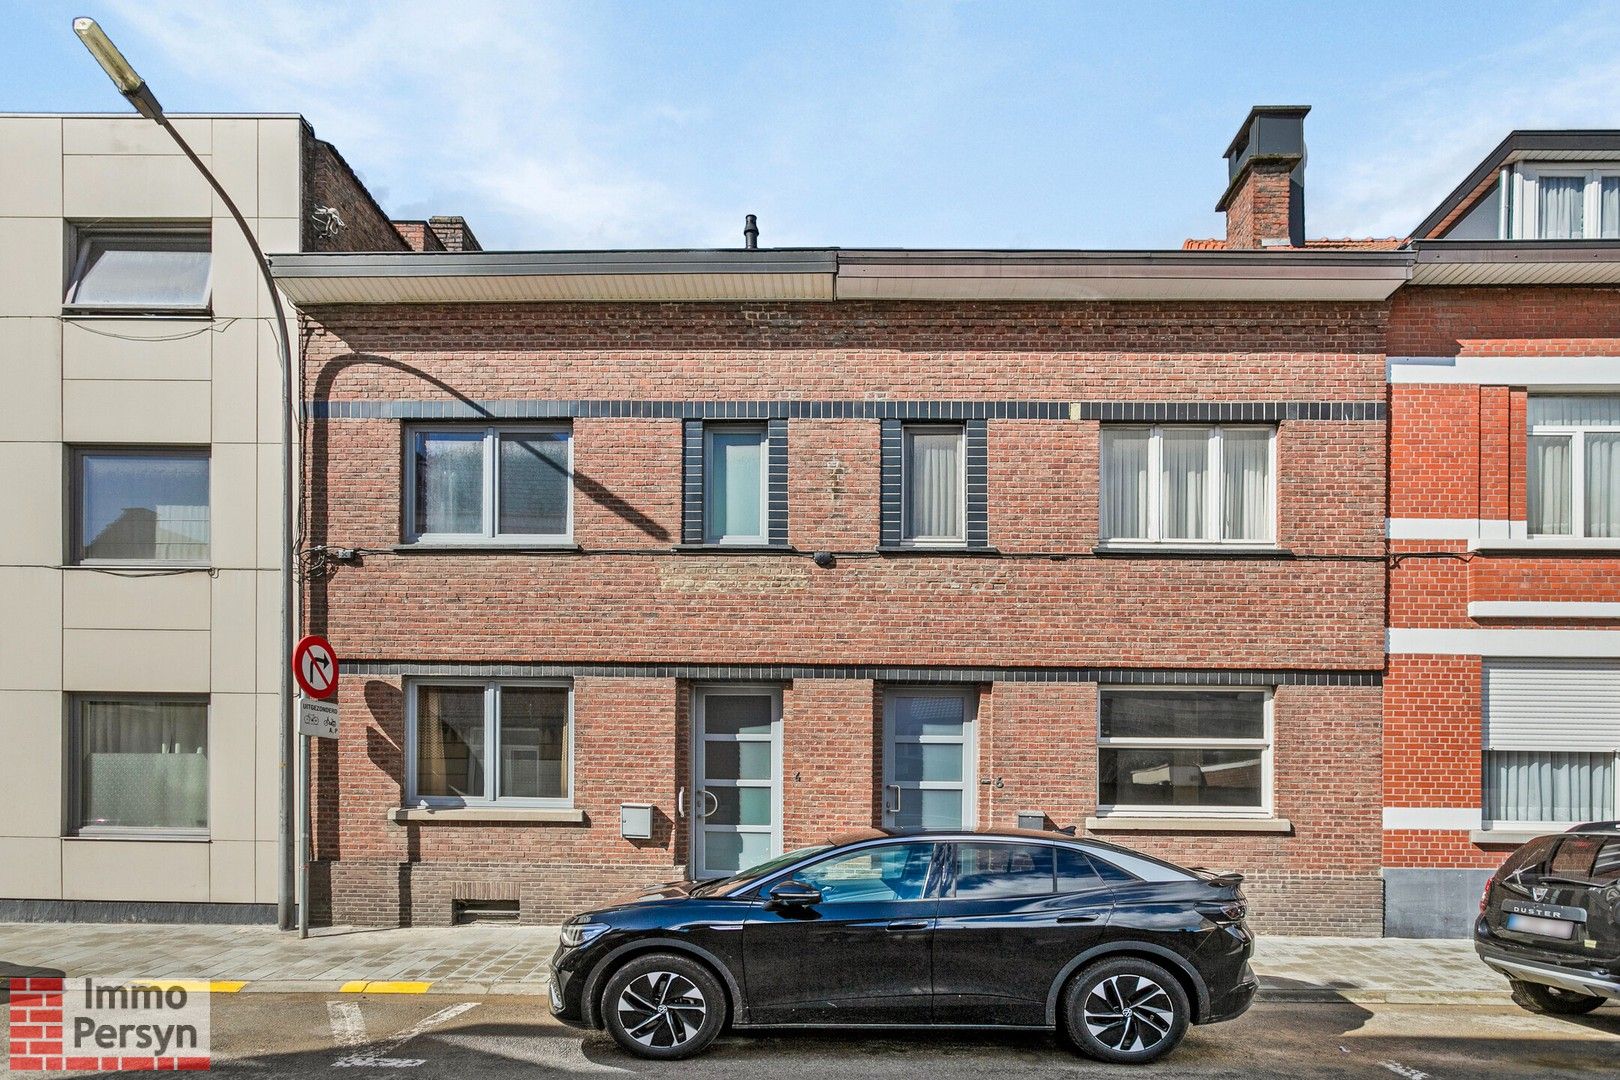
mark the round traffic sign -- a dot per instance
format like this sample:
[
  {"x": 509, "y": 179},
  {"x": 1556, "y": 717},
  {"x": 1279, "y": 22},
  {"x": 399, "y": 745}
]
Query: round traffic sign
[{"x": 315, "y": 666}]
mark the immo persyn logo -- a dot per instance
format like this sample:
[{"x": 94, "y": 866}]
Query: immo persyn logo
[{"x": 108, "y": 1024}]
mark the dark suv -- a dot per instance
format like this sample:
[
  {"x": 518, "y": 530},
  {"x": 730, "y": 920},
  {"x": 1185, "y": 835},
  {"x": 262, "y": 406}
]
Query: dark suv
[
  {"x": 1118, "y": 951},
  {"x": 1550, "y": 920}
]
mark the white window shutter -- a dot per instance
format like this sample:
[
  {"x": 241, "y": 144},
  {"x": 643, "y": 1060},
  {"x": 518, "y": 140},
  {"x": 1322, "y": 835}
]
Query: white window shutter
[{"x": 1552, "y": 705}]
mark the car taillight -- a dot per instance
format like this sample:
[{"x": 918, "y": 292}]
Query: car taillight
[{"x": 1485, "y": 896}]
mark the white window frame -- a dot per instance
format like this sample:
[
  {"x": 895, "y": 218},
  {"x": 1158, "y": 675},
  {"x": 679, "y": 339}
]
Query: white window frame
[
  {"x": 487, "y": 536},
  {"x": 1214, "y": 495},
  {"x": 82, "y": 236},
  {"x": 762, "y": 537},
  {"x": 700, "y": 737},
  {"x": 1525, "y": 215},
  {"x": 75, "y": 746},
  {"x": 1577, "y": 469},
  {"x": 969, "y": 741},
  {"x": 1514, "y": 825},
  {"x": 492, "y": 744},
  {"x": 75, "y": 486},
  {"x": 959, "y": 539},
  {"x": 1267, "y": 746}
]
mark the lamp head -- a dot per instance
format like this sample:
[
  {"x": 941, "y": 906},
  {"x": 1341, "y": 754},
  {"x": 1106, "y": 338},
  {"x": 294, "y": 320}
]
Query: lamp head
[{"x": 118, "y": 69}]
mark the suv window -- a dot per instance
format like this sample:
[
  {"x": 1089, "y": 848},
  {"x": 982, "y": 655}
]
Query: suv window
[
  {"x": 991, "y": 871},
  {"x": 1575, "y": 856},
  {"x": 873, "y": 875},
  {"x": 1606, "y": 867}
]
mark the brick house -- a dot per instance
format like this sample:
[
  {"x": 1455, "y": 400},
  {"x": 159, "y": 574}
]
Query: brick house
[
  {"x": 646, "y": 563},
  {"x": 1502, "y": 695}
]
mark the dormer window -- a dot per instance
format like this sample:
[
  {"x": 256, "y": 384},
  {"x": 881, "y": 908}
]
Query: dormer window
[{"x": 1565, "y": 202}]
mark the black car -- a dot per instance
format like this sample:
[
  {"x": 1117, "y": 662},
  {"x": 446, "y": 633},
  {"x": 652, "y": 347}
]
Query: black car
[
  {"x": 1118, "y": 951},
  {"x": 1550, "y": 920}
]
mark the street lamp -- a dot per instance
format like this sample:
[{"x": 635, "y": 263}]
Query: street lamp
[{"x": 135, "y": 90}]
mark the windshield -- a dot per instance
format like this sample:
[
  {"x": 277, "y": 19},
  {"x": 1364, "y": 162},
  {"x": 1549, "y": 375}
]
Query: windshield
[{"x": 764, "y": 869}]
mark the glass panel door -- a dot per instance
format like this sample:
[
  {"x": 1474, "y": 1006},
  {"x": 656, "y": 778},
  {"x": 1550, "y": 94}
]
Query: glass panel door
[
  {"x": 736, "y": 794},
  {"x": 928, "y": 758}
]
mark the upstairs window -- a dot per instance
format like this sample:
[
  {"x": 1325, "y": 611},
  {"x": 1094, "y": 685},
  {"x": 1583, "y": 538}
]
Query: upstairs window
[
  {"x": 138, "y": 269},
  {"x": 735, "y": 472},
  {"x": 1187, "y": 484},
  {"x": 145, "y": 505},
  {"x": 1568, "y": 203},
  {"x": 1573, "y": 479},
  {"x": 509, "y": 484},
  {"x": 934, "y": 485}
]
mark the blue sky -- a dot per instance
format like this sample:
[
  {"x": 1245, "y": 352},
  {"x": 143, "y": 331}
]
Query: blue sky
[{"x": 659, "y": 124}]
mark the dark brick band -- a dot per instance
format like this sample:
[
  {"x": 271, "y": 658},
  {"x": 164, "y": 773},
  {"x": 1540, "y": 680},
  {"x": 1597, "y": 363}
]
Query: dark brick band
[
  {"x": 1241, "y": 412},
  {"x": 1114, "y": 676}
]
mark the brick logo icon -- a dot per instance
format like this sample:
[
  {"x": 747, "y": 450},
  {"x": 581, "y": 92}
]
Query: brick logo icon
[{"x": 107, "y": 1025}]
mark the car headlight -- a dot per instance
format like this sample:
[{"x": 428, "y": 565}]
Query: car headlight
[{"x": 581, "y": 931}]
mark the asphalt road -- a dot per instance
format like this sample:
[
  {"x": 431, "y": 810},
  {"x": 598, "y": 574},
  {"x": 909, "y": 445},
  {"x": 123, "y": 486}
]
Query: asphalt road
[{"x": 416, "y": 1037}]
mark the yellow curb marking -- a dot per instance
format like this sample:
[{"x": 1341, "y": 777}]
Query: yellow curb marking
[
  {"x": 192, "y": 985},
  {"x": 363, "y": 987}
]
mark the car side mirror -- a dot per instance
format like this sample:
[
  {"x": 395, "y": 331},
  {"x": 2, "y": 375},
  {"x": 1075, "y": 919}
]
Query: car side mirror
[{"x": 792, "y": 893}]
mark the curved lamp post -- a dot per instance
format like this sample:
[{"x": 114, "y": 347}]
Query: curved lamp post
[{"x": 135, "y": 90}]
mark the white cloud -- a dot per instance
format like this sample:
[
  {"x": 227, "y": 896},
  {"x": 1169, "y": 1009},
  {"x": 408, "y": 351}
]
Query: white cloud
[
  {"x": 1426, "y": 133},
  {"x": 468, "y": 108}
]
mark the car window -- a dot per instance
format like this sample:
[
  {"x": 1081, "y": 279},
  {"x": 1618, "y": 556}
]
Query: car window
[
  {"x": 1529, "y": 860},
  {"x": 872, "y": 875},
  {"x": 1607, "y": 865},
  {"x": 1575, "y": 856},
  {"x": 990, "y": 871},
  {"x": 1076, "y": 873}
]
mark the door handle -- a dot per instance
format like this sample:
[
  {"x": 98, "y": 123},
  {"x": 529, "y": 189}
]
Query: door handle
[
  {"x": 908, "y": 924},
  {"x": 680, "y": 804},
  {"x": 707, "y": 807},
  {"x": 1079, "y": 918},
  {"x": 894, "y": 806}
]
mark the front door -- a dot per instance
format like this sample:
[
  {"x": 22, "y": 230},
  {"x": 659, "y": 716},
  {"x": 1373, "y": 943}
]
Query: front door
[
  {"x": 736, "y": 807},
  {"x": 862, "y": 955},
  {"x": 928, "y": 758}
]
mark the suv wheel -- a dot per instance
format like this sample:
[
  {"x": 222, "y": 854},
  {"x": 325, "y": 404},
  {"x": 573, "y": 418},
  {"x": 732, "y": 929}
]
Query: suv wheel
[
  {"x": 1127, "y": 1011},
  {"x": 1550, "y": 999},
  {"x": 663, "y": 1007}
]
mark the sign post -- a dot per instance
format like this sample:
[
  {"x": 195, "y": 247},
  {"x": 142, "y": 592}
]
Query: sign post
[{"x": 315, "y": 668}]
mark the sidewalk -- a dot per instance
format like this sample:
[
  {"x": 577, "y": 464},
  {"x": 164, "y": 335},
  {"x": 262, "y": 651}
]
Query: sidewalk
[{"x": 513, "y": 959}]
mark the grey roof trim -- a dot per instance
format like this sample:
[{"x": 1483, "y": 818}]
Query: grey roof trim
[
  {"x": 1518, "y": 142},
  {"x": 1429, "y": 252},
  {"x": 1202, "y": 259},
  {"x": 552, "y": 263}
]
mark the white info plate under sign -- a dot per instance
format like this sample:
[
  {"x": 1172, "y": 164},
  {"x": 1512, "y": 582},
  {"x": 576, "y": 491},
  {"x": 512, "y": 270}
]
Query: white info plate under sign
[{"x": 317, "y": 718}]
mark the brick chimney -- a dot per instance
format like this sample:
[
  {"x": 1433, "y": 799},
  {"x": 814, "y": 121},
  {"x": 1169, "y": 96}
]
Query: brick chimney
[
  {"x": 454, "y": 233},
  {"x": 1265, "y": 194}
]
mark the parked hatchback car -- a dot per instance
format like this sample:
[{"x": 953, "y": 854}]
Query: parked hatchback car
[
  {"x": 1117, "y": 951},
  {"x": 1549, "y": 920}
]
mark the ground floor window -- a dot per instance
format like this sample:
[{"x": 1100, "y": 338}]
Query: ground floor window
[
  {"x": 489, "y": 742},
  {"x": 1184, "y": 752},
  {"x": 1539, "y": 786},
  {"x": 140, "y": 764},
  {"x": 1551, "y": 738}
]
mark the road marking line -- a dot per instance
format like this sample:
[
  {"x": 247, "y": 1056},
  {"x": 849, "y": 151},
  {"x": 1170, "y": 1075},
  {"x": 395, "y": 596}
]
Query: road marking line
[
  {"x": 348, "y": 1024},
  {"x": 1404, "y": 1070},
  {"x": 384, "y": 987},
  {"x": 378, "y": 1057},
  {"x": 190, "y": 986}
]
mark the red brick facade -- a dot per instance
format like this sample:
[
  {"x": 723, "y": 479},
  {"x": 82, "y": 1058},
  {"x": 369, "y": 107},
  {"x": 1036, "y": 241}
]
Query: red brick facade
[{"x": 1042, "y": 601}]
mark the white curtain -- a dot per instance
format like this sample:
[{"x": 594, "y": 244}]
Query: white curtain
[
  {"x": 1574, "y": 410},
  {"x": 450, "y": 741},
  {"x": 1602, "y": 483},
  {"x": 934, "y": 484},
  {"x": 1549, "y": 487},
  {"x": 1527, "y": 785},
  {"x": 735, "y": 481},
  {"x": 1184, "y": 479},
  {"x": 450, "y": 482},
  {"x": 143, "y": 764},
  {"x": 1609, "y": 205},
  {"x": 1246, "y": 465},
  {"x": 1125, "y": 483},
  {"x": 1560, "y": 202}
]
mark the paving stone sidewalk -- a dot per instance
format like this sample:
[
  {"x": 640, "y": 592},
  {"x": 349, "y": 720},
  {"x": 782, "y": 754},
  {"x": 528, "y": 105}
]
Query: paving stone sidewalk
[{"x": 513, "y": 960}]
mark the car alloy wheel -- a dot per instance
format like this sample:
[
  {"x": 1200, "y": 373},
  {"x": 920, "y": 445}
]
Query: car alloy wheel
[
  {"x": 1130, "y": 1014},
  {"x": 662, "y": 1010}
]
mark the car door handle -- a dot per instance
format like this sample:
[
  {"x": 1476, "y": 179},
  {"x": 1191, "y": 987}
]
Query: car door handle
[
  {"x": 908, "y": 924},
  {"x": 1079, "y": 918}
]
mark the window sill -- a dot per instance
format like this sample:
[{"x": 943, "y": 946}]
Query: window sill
[
  {"x": 736, "y": 549},
  {"x": 1547, "y": 543},
  {"x": 937, "y": 549},
  {"x": 197, "y": 313},
  {"x": 449, "y": 815},
  {"x": 564, "y": 547},
  {"x": 1505, "y": 837},
  {"x": 1148, "y": 823},
  {"x": 139, "y": 835},
  {"x": 1222, "y": 551}
]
